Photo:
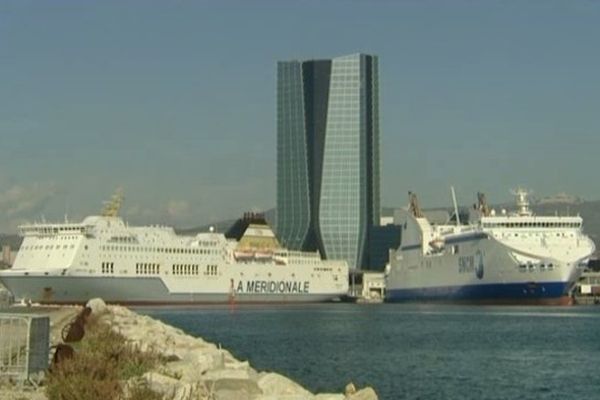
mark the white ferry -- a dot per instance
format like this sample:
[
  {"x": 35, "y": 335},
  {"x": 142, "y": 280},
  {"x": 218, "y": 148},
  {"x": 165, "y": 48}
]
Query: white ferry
[
  {"x": 104, "y": 257},
  {"x": 515, "y": 257}
]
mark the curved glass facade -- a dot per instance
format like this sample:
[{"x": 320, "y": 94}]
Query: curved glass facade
[{"x": 330, "y": 199}]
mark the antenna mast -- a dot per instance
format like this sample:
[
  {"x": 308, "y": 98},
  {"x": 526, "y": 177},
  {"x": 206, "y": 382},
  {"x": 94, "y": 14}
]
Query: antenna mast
[
  {"x": 413, "y": 206},
  {"x": 455, "y": 205},
  {"x": 112, "y": 207}
]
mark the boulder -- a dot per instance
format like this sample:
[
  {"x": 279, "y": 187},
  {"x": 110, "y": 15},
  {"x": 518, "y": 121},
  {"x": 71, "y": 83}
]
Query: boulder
[
  {"x": 189, "y": 371},
  {"x": 286, "y": 397},
  {"x": 350, "y": 389},
  {"x": 363, "y": 394},
  {"x": 97, "y": 305},
  {"x": 279, "y": 386},
  {"x": 231, "y": 384},
  {"x": 330, "y": 396},
  {"x": 165, "y": 385}
]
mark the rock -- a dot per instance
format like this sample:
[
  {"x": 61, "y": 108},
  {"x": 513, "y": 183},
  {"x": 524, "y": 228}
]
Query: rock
[
  {"x": 350, "y": 389},
  {"x": 363, "y": 394},
  {"x": 193, "y": 368},
  {"x": 162, "y": 384},
  {"x": 231, "y": 384},
  {"x": 188, "y": 371},
  {"x": 286, "y": 397},
  {"x": 330, "y": 396},
  {"x": 97, "y": 305},
  {"x": 280, "y": 386},
  {"x": 219, "y": 374}
]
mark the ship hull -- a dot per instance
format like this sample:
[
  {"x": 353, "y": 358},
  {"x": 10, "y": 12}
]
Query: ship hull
[
  {"x": 137, "y": 291},
  {"x": 484, "y": 271},
  {"x": 543, "y": 293}
]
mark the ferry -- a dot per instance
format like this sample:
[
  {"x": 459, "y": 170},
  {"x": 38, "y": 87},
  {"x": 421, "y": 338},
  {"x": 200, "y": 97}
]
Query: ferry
[
  {"x": 507, "y": 257},
  {"x": 103, "y": 256}
]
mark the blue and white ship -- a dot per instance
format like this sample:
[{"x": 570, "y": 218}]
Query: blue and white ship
[{"x": 509, "y": 258}]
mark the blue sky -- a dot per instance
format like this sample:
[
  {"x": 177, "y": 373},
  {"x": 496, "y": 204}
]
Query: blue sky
[{"x": 175, "y": 101}]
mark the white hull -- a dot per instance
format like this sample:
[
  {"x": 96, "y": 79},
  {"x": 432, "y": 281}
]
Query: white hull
[
  {"x": 103, "y": 257},
  {"x": 516, "y": 258},
  {"x": 484, "y": 270}
]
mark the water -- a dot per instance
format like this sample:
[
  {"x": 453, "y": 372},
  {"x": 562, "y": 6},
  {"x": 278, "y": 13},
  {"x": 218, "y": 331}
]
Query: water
[{"x": 413, "y": 351}]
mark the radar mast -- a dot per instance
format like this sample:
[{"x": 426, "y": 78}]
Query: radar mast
[
  {"x": 113, "y": 206},
  {"x": 522, "y": 202}
]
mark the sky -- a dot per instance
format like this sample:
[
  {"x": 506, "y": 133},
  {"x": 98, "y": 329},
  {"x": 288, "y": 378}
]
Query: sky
[{"x": 175, "y": 101}]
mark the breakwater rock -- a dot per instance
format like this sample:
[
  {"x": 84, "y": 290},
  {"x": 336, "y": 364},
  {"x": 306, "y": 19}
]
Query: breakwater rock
[{"x": 195, "y": 369}]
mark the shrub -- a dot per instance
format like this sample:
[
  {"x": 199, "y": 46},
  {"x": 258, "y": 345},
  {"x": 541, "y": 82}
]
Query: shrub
[{"x": 102, "y": 360}]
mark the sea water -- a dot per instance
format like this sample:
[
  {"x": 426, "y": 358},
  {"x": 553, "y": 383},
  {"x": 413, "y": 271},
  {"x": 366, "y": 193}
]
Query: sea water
[{"x": 412, "y": 351}]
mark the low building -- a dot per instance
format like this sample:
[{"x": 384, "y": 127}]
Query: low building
[
  {"x": 587, "y": 289},
  {"x": 367, "y": 287},
  {"x": 7, "y": 257}
]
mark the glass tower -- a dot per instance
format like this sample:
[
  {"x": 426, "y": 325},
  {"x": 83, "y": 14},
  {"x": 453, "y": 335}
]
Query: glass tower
[{"x": 328, "y": 155}]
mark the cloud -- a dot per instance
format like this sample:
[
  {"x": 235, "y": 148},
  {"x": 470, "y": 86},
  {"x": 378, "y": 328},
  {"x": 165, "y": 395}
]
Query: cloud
[
  {"x": 22, "y": 202},
  {"x": 173, "y": 213},
  {"x": 178, "y": 208}
]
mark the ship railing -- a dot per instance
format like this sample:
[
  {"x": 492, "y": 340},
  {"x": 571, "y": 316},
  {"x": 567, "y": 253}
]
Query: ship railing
[{"x": 24, "y": 346}]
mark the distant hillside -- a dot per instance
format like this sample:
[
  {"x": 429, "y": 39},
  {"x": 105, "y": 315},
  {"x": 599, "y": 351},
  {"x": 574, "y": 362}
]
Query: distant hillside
[
  {"x": 14, "y": 241},
  {"x": 589, "y": 211},
  {"x": 222, "y": 226}
]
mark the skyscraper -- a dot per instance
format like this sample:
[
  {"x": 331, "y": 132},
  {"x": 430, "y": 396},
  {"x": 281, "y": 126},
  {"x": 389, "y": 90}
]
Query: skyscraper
[{"x": 328, "y": 155}]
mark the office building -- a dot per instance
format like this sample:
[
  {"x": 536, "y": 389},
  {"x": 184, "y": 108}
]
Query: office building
[{"x": 328, "y": 155}]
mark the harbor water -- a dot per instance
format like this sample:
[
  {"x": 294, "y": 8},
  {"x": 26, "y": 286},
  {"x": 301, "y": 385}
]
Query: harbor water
[{"x": 412, "y": 351}]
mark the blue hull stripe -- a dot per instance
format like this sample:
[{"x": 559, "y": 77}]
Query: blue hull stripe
[{"x": 496, "y": 291}]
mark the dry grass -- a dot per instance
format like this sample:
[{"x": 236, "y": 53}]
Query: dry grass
[{"x": 103, "y": 361}]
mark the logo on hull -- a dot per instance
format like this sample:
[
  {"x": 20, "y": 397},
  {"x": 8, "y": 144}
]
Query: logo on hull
[{"x": 479, "y": 268}]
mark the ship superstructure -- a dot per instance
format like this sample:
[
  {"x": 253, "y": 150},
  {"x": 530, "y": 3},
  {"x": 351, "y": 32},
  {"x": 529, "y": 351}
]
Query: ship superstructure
[
  {"x": 102, "y": 256},
  {"x": 506, "y": 257}
]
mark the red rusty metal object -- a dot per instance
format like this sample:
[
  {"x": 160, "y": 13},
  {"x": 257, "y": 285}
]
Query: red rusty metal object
[
  {"x": 75, "y": 330},
  {"x": 72, "y": 332},
  {"x": 63, "y": 352}
]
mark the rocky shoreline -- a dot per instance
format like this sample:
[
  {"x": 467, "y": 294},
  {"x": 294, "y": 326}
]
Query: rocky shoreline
[{"x": 192, "y": 368}]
